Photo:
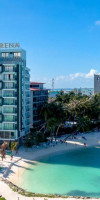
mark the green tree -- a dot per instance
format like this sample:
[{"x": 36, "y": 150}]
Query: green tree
[
  {"x": 84, "y": 124},
  {"x": 13, "y": 147},
  {"x": 54, "y": 115}
]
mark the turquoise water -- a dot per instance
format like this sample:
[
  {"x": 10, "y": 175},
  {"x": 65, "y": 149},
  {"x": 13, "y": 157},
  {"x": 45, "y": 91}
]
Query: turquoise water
[{"x": 74, "y": 173}]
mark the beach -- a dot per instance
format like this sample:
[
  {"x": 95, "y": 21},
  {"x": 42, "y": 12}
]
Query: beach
[{"x": 12, "y": 170}]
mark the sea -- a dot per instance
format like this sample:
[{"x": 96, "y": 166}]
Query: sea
[{"x": 84, "y": 91}]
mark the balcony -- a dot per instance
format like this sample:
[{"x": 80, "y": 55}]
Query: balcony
[
  {"x": 1, "y": 101},
  {"x": 9, "y": 94},
  {"x": 9, "y": 119},
  {"x": 7, "y": 135},
  {"x": 1, "y": 118},
  {"x": 9, "y": 85},
  {"x": 9, "y": 128},
  {"x": 9, "y": 77},
  {"x": 9, "y": 110},
  {"x": 10, "y": 69},
  {"x": 14, "y": 103}
]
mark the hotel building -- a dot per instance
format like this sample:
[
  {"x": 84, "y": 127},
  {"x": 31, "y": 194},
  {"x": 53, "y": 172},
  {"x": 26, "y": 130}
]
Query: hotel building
[
  {"x": 39, "y": 96},
  {"x": 96, "y": 83},
  {"x": 14, "y": 94}
]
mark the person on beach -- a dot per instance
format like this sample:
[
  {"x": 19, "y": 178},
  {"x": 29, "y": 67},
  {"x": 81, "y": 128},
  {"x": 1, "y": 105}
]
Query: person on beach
[
  {"x": 11, "y": 156},
  {"x": 85, "y": 144}
]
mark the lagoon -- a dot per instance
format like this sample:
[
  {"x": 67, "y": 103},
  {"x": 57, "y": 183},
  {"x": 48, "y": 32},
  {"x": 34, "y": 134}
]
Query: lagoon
[{"x": 72, "y": 173}]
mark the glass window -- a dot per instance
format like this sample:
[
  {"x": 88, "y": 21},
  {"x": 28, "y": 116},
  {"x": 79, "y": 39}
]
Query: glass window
[
  {"x": 0, "y": 126},
  {"x": 9, "y": 93},
  {"x": 9, "y": 118},
  {"x": 0, "y": 101},
  {"x": 9, "y": 101},
  {"x": 0, "y": 68},
  {"x": 17, "y": 54},
  {"x": 6, "y": 134},
  {"x": 9, "y": 85},
  {"x": 8, "y": 77},
  {"x": 9, "y": 126},
  {"x": 0, "y": 77},
  {"x": 0, "y": 93},
  {"x": 9, "y": 68},
  {"x": 0, "y": 109},
  {"x": 0, "y": 117},
  {"x": 9, "y": 109},
  {"x": 0, "y": 84},
  {"x": 5, "y": 55}
]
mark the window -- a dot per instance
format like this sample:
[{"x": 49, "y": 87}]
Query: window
[
  {"x": 0, "y": 101},
  {"x": 0, "y": 126},
  {"x": 34, "y": 86},
  {"x": 8, "y": 101},
  {"x": 8, "y": 77},
  {"x": 9, "y": 118},
  {"x": 1, "y": 118},
  {"x": 7, "y": 93},
  {"x": 98, "y": 79},
  {"x": 4, "y": 55},
  {"x": 0, "y": 68},
  {"x": 0, "y": 93},
  {"x": 8, "y": 85},
  {"x": 0, "y": 77},
  {"x": 17, "y": 54},
  {"x": 9, "y": 126},
  {"x": 9, "y": 68},
  {"x": 7, "y": 135},
  {"x": 9, "y": 109},
  {"x": 0, "y": 109},
  {"x": 0, "y": 85}
]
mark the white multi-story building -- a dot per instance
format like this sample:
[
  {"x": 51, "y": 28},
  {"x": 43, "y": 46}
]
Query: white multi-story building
[{"x": 14, "y": 94}]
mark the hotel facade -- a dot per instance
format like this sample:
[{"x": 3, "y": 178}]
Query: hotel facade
[
  {"x": 14, "y": 94},
  {"x": 39, "y": 96}
]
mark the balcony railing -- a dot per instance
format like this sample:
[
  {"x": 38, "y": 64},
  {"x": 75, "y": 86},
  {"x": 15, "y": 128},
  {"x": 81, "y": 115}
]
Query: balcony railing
[
  {"x": 9, "y": 128},
  {"x": 10, "y": 111}
]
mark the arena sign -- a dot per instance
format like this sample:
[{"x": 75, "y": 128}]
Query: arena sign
[{"x": 9, "y": 45}]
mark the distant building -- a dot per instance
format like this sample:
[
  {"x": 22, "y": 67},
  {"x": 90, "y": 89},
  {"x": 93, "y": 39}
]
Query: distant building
[
  {"x": 75, "y": 90},
  {"x": 39, "y": 96},
  {"x": 14, "y": 94},
  {"x": 84, "y": 91},
  {"x": 96, "y": 83}
]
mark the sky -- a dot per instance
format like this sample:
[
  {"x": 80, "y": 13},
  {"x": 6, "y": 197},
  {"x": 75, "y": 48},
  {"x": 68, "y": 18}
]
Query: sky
[{"x": 61, "y": 38}]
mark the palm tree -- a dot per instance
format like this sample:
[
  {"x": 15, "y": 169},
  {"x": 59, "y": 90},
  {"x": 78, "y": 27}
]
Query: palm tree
[
  {"x": 14, "y": 146},
  {"x": 3, "y": 150},
  {"x": 53, "y": 115},
  {"x": 84, "y": 124}
]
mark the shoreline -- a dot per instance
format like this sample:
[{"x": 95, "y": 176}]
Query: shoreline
[
  {"x": 25, "y": 158},
  {"x": 72, "y": 144}
]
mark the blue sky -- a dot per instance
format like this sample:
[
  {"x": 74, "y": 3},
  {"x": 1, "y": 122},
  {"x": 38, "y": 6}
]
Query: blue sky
[{"x": 62, "y": 38}]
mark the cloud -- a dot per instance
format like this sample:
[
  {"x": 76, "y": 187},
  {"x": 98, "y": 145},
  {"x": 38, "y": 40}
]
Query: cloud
[
  {"x": 91, "y": 73},
  {"x": 77, "y": 79},
  {"x": 97, "y": 23},
  {"x": 61, "y": 78},
  {"x": 77, "y": 75}
]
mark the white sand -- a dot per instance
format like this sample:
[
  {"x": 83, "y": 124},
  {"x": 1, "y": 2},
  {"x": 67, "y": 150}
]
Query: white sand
[{"x": 13, "y": 169}]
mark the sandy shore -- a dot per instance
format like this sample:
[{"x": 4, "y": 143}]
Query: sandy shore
[{"x": 12, "y": 170}]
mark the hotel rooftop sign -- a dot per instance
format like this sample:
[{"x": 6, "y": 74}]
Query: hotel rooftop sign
[{"x": 9, "y": 45}]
